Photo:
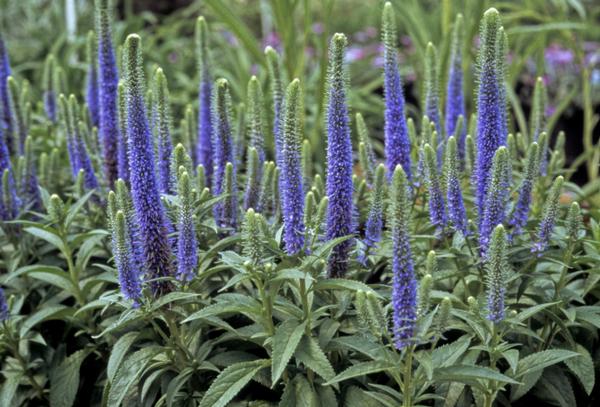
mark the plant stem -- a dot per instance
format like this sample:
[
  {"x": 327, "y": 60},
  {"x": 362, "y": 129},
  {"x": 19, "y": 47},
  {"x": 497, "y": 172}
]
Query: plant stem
[{"x": 407, "y": 402}]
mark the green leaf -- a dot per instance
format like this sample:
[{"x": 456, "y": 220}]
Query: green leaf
[
  {"x": 529, "y": 380},
  {"x": 357, "y": 397},
  {"x": 64, "y": 380},
  {"x": 172, "y": 297},
  {"x": 299, "y": 393},
  {"x": 583, "y": 368},
  {"x": 47, "y": 234},
  {"x": 9, "y": 389},
  {"x": 343, "y": 284},
  {"x": 74, "y": 209},
  {"x": 128, "y": 374},
  {"x": 33, "y": 268},
  {"x": 311, "y": 355},
  {"x": 448, "y": 354},
  {"x": 118, "y": 352},
  {"x": 177, "y": 383},
  {"x": 362, "y": 369},
  {"x": 531, "y": 311},
  {"x": 541, "y": 360},
  {"x": 230, "y": 381},
  {"x": 469, "y": 375},
  {"x": 218, "y": 309},
  {"x": 58, "y": 278},
  {"x": 556, "y": 387},
  {"x": 45, "y": 314},
  {"x": 286, "y": 339}
]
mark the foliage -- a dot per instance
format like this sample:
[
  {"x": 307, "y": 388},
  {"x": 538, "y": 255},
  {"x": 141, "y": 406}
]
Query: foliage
[{"x": 297, "y": 268}]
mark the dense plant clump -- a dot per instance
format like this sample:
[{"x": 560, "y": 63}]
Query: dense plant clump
[{"x": 217, "y": 261}]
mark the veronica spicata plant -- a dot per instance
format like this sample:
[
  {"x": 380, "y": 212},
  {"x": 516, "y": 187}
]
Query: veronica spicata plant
[{"x": 187, "y": 244}]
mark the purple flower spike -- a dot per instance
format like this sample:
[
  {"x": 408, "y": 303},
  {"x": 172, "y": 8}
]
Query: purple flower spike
[
  {"x": 5, "y": 112},
  {"x": 144, "y": 186},
  {"x": 437, "y": 209},
  {"x": 92, "y": 97},
  {"x": 456, "y": 208},
  {"x": 521, "y": 211},
  {"x": 404, "y": 285},
  {"x": 108, "y": 81},
  {"x": 49, "y": 91},
  {"x": 222, "y": 142},
  {"x": 489, "y": 116},
  {"x": 4, "y": 313},
  {"x": 397, "y": 142},
  {"x": 205, "y": 128},
  {"x": 497, "y": 197},
  {"x": 291, "y": 171},
  {"x": 455, "y": 100},
  {"x": 276, "y": 80},
  {"x": 339, "y": 160}
]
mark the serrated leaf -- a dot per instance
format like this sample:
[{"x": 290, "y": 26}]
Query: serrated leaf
[
  {"x": 555, "y": 386},
  {"x": 469, "y": 375},
  {"x": 127, "y": 374},
  {"x": 118, "y": 351},
  {"x": 311, "y": 355},
  {"x": 326, "y": 396},
  {"x": 541, "y": 360},
  {"x": 583, "y": 368},
  {"x": 512, "y": 357},
  {"x": 362, "y": 369},
  {"x": 9, "y": 389},
  {"x": 284, "y": 344},
  {"x": 299, "y": 393},
  {"x": 230, "y": 381},
  {"x": 64, "y": 380},
  {"x": 220, "y": 308},
  {"x": 357, "y": 397},
  {"x": 448, "y": 354},
  {"x": 531, "y": 311},
  {"x": 343, "y": 284},
  {"x": 528, "y": 381}
]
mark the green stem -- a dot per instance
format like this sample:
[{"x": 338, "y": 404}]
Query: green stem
[
  {"x": 407, "y": 402},
  {"x": 14, "y": 346}
]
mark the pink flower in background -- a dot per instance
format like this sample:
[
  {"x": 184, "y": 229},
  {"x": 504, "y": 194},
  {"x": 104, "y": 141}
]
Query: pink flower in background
[
  {"x": 272, "y": 39},
  {"x": 557, "y": 55},
  {"x": 318, "y": 28},
  {"x": 355, "y": 53}
]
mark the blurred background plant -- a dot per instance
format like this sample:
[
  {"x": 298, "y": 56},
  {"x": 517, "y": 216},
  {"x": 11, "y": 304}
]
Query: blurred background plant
[{"x": 558, "y": 40}]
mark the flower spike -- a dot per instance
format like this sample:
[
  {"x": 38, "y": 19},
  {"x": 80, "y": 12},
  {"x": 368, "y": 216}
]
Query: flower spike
[
  {"x": 496, "y": 273},
  {"x": 205, "y": 119},
  {"x": 455, "y": 98},
  {"x": 108, "y": 80},
  {"x": 339, "y": 159},
  {"x": 291, "y": 171},
  {"x": 404, "y": 286},
  {"x": 148, "y": 207},
  {"x": 397, "y": 143},
  {"x": 163, "y": 131}
]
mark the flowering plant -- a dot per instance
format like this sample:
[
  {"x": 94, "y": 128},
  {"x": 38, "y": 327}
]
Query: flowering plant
[{"x": 460, "y": 267}]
